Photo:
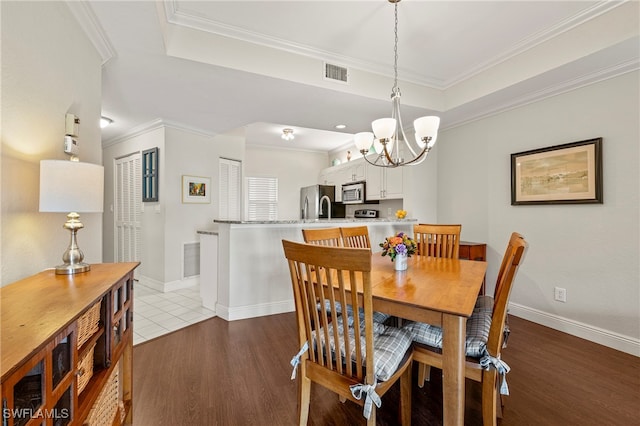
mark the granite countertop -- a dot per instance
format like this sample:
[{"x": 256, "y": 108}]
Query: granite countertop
[{"x": 298, "y": 221}]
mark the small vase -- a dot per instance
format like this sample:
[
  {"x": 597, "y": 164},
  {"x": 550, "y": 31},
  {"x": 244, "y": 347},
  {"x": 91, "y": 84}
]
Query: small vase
[{"x": 400, "y": 263}]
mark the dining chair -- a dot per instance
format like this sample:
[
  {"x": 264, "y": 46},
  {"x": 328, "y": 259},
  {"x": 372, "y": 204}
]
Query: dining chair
[
  {"x": 484, "y": 340},
  {"x": 355, "y": 236},
  {"x": 334, "y": 237},
  {"x": 437, "y": 240},
  {"x": 324, "y": 236},
  {"x": 358, "y": 359}
]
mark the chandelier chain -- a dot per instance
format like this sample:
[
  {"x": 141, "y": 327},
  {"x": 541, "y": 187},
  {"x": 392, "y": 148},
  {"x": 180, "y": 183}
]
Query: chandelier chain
[{"x": 395, "y": 49}]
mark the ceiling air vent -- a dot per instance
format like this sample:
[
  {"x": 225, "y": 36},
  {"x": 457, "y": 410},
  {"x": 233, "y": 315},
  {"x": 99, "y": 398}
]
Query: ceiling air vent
[{"x": 335, "y": 73}]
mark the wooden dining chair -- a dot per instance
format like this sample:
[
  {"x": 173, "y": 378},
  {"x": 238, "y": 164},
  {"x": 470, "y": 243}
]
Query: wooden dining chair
[
  {"x": 323, "y": 237},
  {"x": 437, "y": 240},
  {"x": 355, "y": 236},
  {"x": 334, "y": 237},
  {"x": 485, "y": 338},
  {"x": 357, "y": 359}
]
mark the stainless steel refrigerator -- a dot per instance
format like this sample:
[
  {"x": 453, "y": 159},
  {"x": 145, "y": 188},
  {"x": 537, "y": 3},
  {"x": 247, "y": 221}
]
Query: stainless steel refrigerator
[{"x": 310, "y": 197}]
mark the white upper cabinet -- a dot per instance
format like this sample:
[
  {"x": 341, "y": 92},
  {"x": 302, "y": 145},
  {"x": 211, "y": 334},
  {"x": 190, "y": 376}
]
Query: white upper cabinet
[
  {"x": 352, "y": 171},
  {"x": 384, "y": 183}
]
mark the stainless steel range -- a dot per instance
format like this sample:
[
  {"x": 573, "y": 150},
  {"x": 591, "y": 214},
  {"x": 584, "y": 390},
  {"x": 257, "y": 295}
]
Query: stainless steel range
[{"x": 365, "y": 214}]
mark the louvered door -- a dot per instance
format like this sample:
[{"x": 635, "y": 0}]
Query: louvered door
[
  {"x": 229, "y": 188},
  {"x": 128, "y": 200}
]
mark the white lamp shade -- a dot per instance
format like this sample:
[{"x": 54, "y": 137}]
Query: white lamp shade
[
  {"x": 363, "y": 140},
  {"x": 427, "y": 126},
  {"x": 384, "y": 128},
  {"x": 71, "y": 186}
]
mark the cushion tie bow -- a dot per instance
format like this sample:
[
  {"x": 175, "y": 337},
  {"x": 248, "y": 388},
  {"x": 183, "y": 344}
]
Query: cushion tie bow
[
  {"x": 371, "y": 396},
  {"x": 488, "y": 361},
  {"x": 295, "y": 361}
]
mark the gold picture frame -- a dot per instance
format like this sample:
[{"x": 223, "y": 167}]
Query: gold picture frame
[{"x": 562, "y": 174}]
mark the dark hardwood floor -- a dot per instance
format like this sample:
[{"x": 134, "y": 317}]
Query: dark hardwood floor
[{"x": 238, "y": 373}]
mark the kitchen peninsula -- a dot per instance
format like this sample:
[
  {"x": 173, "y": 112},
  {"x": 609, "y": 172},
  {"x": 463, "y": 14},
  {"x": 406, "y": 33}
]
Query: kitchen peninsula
[{"x": 246, "y": 274}]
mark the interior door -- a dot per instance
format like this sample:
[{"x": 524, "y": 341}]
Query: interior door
[{"x": 127, "y": 207}]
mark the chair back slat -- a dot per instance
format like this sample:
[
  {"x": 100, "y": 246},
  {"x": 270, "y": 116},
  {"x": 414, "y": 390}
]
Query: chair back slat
[
  {"x": 325, "y": 275},
  {"x": 323, "y": 237},
  {"x": 355, "y": 236},
  {"x": 510, "y": 263},
  {"x": 438, "y": 240}
]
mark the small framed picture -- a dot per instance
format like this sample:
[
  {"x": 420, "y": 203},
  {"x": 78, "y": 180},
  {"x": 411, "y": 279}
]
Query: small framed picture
[
  {"x": 196, "y": 189},
  {"x": 560, "y": 174}
]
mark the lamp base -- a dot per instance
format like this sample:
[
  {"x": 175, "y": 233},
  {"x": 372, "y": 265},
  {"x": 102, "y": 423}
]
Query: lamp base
[
  {"x": 70, "y": 269},
  {"x": 73, "y": 256}
]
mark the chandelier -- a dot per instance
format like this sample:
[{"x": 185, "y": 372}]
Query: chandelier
[
  {"x": 388, "y": 138},
  {"x": 287, "y": 134}
]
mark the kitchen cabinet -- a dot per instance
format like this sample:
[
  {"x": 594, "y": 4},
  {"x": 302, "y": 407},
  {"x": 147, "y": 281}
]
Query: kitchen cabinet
[
  {"x": 67, "y": 346},
  {"x": 384, "y": 182},
  {"x": 356, "y": 171},
  {"x": 352, "y": 171}
]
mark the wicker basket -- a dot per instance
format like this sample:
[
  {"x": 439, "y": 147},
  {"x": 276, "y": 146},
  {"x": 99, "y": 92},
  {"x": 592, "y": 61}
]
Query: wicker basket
[
  {"x": 88, "y": 324},
  {"x": 105, "y": 408},
  {"x": 85, "y": 370}
]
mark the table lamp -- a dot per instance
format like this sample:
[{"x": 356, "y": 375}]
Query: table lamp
[{"x": 71, "y": 186}]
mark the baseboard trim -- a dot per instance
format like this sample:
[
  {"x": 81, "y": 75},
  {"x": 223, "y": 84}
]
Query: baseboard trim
[
  {"x": 170, "y": 286},
  {"x": 252, "y": 311},
  {"x": 181, "y": 284},
  {"x": 607, "y": 338}
]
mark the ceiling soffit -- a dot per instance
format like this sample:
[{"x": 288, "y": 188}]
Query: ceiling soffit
[{"x": 190, "y": 36}]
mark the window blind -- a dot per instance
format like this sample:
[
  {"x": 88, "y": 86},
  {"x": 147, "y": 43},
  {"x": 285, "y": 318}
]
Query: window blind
[{"x": 262, "y": 198}]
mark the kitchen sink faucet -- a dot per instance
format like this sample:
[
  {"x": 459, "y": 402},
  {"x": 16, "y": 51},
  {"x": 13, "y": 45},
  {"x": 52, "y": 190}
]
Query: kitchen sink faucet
[{"x": 328, "y": 205}]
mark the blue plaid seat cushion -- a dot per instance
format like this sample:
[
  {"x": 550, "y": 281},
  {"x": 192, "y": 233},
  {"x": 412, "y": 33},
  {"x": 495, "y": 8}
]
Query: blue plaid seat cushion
[
  {"x": 379, "y": 317},
  {"x": 484, "y": 304},
  {"x": 390, "y": 345},
  {"x": 478, "y": 326}
]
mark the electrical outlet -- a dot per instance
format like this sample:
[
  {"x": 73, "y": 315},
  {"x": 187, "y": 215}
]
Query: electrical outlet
[{"x": 560, "y": 294}]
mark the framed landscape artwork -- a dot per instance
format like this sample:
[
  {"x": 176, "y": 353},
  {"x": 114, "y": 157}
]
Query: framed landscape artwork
[
  {"x": 196, "y": 189},
  {"x": 560, "y": 174}
]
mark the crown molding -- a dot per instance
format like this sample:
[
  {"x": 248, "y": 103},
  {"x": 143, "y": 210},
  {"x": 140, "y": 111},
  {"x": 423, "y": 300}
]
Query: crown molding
[
  {"x": 535, "y": 40},
  {"x": 89, "y": 23},
  {"x": 183, "y": 17},
  {"x": 158, "y": 123},
  {"x": 613, "y": 71}
]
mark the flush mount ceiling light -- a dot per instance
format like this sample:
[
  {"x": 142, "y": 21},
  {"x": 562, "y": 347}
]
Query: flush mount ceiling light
[
  {"x": 105, "y": 121},
  {"x": 388, "y": 137},
  {"x": 287, "y": 134}
]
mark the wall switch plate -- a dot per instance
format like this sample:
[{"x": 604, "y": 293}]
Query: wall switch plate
[
  {"x": 560, "y": 294},
  {"x": 71, "y": 125},
  {"x": 71, "y": 145}
]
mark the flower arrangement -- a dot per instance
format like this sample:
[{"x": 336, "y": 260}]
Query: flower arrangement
[{"x": 398, "y": 244}]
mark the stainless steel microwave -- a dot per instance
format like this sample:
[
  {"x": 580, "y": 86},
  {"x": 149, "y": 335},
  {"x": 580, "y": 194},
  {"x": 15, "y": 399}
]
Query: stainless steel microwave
[{"x": 353, "y": 193}]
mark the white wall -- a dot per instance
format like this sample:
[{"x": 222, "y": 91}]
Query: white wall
[
  {"x": 591, "y": 250},
  {"x": 186, "y": 153},
  {"x": 152, "y": 216},
  {"x": 49, "y": 68},
  {"x": 294, "y": 170},
  {"x": 168, "y": 223}
]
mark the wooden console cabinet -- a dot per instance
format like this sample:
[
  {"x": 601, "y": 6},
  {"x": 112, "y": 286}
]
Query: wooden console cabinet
[
  {"x": 66, "y": 354},
  {"x": 473, "y": 251}
]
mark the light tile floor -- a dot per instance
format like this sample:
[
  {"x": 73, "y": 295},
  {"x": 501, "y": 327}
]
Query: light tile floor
[{"x": 156, "y": 313}]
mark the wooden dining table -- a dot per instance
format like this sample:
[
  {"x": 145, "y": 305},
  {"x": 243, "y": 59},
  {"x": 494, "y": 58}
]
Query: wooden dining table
[{"x": 438, "y": 291}]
